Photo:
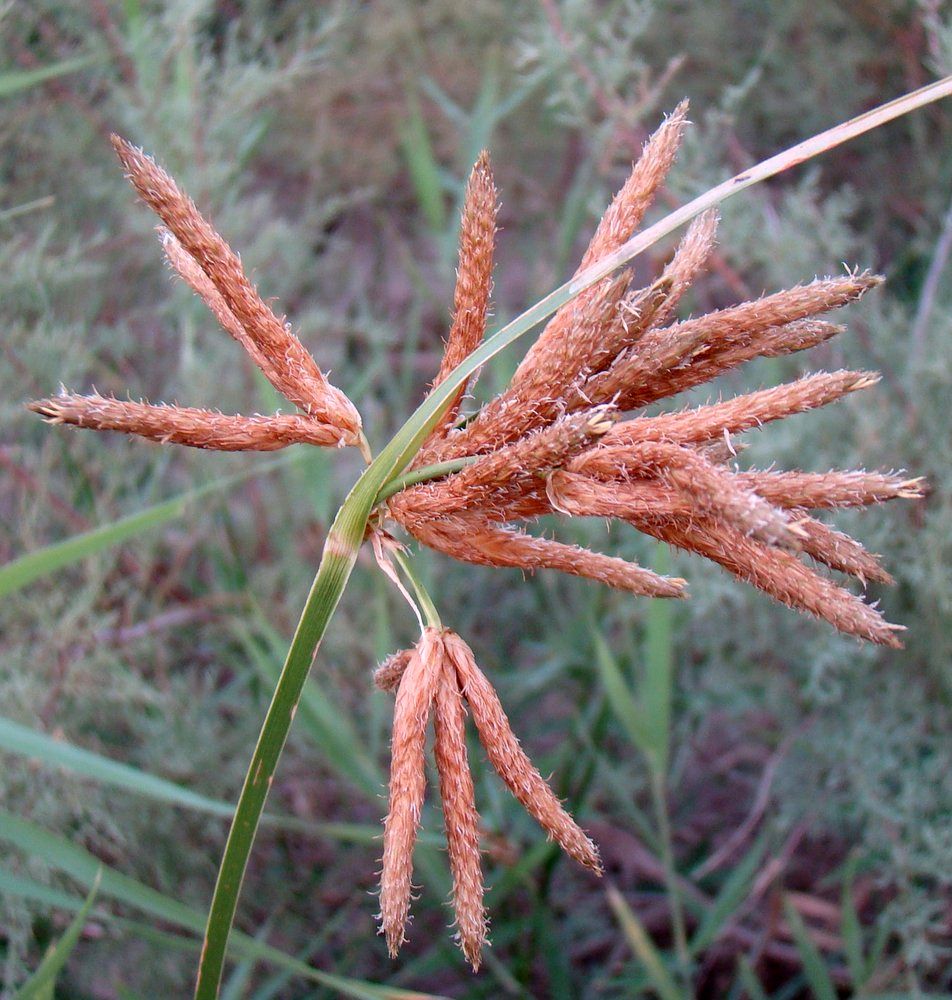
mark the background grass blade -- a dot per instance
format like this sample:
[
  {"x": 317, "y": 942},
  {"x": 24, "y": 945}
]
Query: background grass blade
[
  {"x": 814, "y": 968},
  {"x": 85, "y": 868},
  {"x": 41, "y": 984},
  {"x": 732, "y": 894},
  {"x": 27, "y": 568},
  {"x": 26, "y": 742},
  {"x": 422, "y": 166},
  {"x": 643, "y": 946},
  {"x": 657, "y": 686},
  {"x": 14, "y": 81},
  {"x": 620, "y": 698}
]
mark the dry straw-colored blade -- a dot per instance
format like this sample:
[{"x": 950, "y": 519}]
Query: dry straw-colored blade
[
  {"x": 287, "y": 360},
  {"x": 197, "y": 428},
  {"x": 407, "y": 785},
  {"x": 510, "y": 760},
  {"x": 459, "y": 813}
]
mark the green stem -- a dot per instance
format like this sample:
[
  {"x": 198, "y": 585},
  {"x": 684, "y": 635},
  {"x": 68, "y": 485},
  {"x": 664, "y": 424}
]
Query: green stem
[
  {"x": 659, "y": 799},
  {"x": 424, "y": 474},
  {"x": 425, "y": 601},
  {"x": 340, "y": 554}
]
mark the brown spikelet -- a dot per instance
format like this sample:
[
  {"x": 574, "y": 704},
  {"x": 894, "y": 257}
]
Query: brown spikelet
[
  {"x": 779, "y": 574},
  {"x": 301, "y": 380},
  {"x": 510, "y": 760},
  {"x": 839, "y": 551},
  {"x": 473, "y": 277},
  {"x": 733, "y": 416},
  {"x": 472, "y": 539},
  {"x": 388, "y": 675},
  {"x": 460, "y": 817},
  {"x": 818, "y": 490},
  {"x": 618, "y": 223},
  {"x": 407, "y": 785},
  {"x": 628, "y": 207},
  {"x": 185, "y": 265},
  {"x": 197, "y": 428},
  {"x": 507, "y": 473}
]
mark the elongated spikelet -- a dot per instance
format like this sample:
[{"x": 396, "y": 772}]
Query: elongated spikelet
[
  {"x": 474, "y": 278},
  {"x": 188, "y": 269},
  {"x": 816, "y": 490},
  {"x": 471, "y": 539},
  {"x": 190, "y": 426},
  {"x": 733, "y": 416},
  {"x": 407, "y": 785},
  {"x": 460, "y": 817},
  {"x": 619, "y": 222},
  {"x": 301, "y": 380},
  {"x": 624, "y": 214},
  {"x": 511, "y": 762},
  {"x": 840, "y": 552},
  {"x": 779, "y": 574}
]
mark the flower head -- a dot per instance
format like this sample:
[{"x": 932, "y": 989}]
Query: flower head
[
  {"x": 439, "y": 676},
  {"x": 566, "y": 436}
]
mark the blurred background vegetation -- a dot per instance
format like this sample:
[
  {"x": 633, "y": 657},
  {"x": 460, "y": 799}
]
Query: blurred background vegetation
[{"x": 809, "y": 780}]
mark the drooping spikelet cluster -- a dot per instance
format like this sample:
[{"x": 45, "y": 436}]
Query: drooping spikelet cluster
[
  {"x": 213, "y": 270},
  {"x": 440, "y": 676},
  {"x": 558, "y": 440}
]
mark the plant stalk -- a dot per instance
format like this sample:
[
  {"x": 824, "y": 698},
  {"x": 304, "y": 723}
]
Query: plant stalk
[{"x": 659, "y": 798}]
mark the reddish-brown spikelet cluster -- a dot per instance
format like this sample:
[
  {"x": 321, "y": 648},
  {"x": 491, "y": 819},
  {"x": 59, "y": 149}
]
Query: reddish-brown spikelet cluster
[
  {"x": 561, "y": 437},
  {"x": 557, "y": 440},
  {"x": 213, "y": 270},
  {"x": 440, "y": 675}
]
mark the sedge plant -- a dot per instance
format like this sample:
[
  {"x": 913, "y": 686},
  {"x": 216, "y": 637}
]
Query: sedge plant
[{"x": 567, "y": 436}]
